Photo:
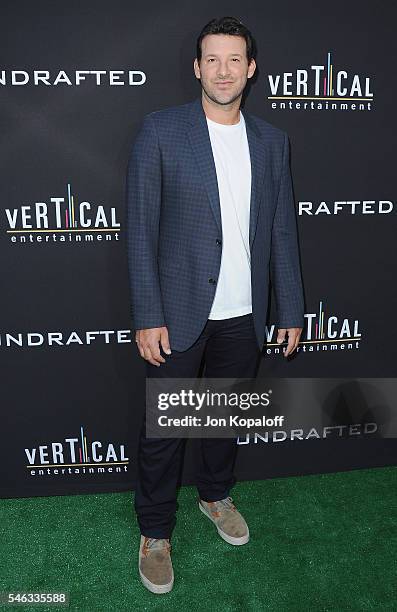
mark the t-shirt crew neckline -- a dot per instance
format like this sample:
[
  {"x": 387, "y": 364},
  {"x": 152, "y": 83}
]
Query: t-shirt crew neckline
[{"x": 225, "y": 126}]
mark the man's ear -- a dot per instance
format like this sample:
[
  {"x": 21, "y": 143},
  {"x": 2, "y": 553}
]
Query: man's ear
[
  {"x": 196, "y": 68},
  {"x": 252, "y": 67}
]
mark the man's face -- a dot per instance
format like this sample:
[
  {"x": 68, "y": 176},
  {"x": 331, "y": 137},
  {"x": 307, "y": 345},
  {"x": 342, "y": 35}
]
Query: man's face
[{"x": 223, "y": 68}]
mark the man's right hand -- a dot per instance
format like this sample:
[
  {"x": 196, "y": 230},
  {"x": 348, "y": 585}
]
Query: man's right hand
[{"x": 148, "y": 341}]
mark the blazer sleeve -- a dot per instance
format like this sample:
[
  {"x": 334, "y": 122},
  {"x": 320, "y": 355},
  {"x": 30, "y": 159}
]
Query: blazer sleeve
[
  {"x": 143, "y": 202},
  {"x": 284, "y": 259}
]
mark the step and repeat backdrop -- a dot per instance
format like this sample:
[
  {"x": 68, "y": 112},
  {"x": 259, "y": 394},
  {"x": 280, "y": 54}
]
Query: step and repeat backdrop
[{"x": 75, "y": 82}]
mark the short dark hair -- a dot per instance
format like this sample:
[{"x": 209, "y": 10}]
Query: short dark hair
[{"x": 227, "y": 25}]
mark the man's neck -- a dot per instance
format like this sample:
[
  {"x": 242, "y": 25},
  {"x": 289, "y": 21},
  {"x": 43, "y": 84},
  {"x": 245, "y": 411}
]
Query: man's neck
[{"x": 227, "y": 114}]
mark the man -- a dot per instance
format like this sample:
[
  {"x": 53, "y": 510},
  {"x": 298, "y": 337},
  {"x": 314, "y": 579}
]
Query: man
[{"x": 210, "y": 214}]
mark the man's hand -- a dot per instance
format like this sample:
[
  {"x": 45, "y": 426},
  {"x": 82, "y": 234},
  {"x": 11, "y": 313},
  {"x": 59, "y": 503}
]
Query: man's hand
[
  {"x": 148, "y": 344},
  {"x": 294, "y": 334}
]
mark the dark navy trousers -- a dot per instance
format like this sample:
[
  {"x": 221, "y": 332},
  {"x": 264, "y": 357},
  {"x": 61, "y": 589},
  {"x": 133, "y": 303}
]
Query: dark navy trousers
[{"x": 226, "y": 348}]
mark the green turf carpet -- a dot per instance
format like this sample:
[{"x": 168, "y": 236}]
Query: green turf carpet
[{"x": 318, "y": 543}]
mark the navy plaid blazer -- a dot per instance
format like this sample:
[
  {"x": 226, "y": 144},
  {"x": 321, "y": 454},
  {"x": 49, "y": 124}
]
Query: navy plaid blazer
[{"x": 174, "y": 229}]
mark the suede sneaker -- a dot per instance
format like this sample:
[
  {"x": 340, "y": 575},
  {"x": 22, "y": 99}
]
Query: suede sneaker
[
  {"x": 155, "y": 565},
  {"x": 230, "y": 524}
]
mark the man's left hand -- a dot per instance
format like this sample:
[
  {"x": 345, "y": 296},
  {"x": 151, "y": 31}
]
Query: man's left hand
[{"x": 294, "y": 334}]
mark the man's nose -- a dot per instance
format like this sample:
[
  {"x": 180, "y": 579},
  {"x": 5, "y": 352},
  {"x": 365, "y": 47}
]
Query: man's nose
[{"x": 223, "y": 72}]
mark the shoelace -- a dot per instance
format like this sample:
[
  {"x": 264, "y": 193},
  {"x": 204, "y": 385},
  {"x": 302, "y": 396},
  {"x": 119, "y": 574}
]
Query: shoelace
[
  {"x": 151, "y": 543},
  {"x": 216, "y": 506}
]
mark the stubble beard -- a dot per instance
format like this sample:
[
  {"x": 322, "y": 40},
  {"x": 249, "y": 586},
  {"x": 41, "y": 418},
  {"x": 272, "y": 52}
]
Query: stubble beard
[{"x": 212, "y": 96}]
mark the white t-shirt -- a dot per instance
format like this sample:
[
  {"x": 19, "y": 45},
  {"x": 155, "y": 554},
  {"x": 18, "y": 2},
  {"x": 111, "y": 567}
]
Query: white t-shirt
[{"x": 233, "y": 168}]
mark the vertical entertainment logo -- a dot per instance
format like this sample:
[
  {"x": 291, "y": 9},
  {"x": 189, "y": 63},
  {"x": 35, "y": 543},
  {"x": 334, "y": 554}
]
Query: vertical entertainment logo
[
  {"x": 322, "y": 87},
  {"x": 62, "y": 219},
  {"x": 323, "y": 332},
  {"x": 76, "y": 456}
]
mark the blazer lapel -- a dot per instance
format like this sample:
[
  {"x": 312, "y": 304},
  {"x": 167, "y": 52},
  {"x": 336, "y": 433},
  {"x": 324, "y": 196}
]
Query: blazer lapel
[
  {"x": 259, "y": 167},
  {"x": 201, "y": 145},
  {"x": 200, "y": 142}
]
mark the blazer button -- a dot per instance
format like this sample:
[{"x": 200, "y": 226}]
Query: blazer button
[
  {"x": 212, "y": 281},
  {"x": 218, "y": 242}
]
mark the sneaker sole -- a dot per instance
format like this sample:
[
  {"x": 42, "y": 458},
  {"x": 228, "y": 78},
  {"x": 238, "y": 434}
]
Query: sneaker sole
[
  {"x": 229, "y": 539},
  {"x": 155, "y": 588}
]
